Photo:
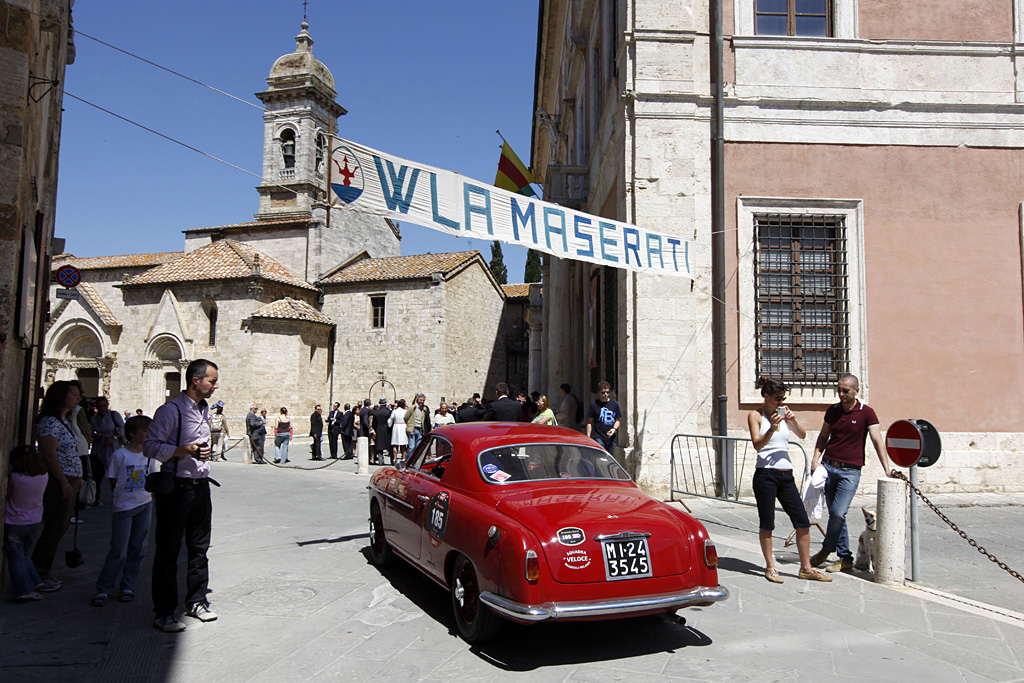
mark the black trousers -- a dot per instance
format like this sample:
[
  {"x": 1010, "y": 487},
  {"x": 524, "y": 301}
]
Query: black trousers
[
  {"x": 316, "y": 446},
  {"x": 257, "y": 446},
  {"x": 346, "y": 444},
  {"x": 184, "y": 513},
  {"x": 332, "y": 440},
  {"x": 56, "y": 516},
  {"x": 771, "y": 485}
]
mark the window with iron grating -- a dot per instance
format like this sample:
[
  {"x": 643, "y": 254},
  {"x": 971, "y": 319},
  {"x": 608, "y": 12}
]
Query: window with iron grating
[{"x": 802, "y": 298}]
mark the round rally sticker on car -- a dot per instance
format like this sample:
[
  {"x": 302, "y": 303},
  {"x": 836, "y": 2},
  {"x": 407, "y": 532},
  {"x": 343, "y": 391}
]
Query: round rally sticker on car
[
  {"x": 490, "y": 468},
  {"x": 571, "y": 535}
]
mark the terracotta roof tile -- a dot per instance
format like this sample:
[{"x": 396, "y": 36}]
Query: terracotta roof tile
[
  {"x": 292, "y": 309},
  {"x": 516, "y": 291},
  {"x": 88, "y": 293},
  {"x": 122, "y": 261},
  {"x": 284, "y": 222},
  {"x": 221, "y": 260},
  {"x": 401, "y": 267}
]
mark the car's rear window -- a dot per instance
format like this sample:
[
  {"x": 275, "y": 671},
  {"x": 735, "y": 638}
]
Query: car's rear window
[{"x": 532, "y": 462}]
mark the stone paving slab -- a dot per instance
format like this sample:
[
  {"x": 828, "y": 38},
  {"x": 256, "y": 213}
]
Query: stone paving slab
[{"x": 299, "y": 601}]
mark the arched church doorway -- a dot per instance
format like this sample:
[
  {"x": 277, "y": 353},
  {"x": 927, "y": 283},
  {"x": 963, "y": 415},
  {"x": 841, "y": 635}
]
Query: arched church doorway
[
  {"x": 162, "y": 370},
  {"x": 76, "y": 352}
]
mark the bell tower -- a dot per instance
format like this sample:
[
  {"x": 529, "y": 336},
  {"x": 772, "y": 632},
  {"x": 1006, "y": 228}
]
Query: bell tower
[{"x": 301, "y": 115}]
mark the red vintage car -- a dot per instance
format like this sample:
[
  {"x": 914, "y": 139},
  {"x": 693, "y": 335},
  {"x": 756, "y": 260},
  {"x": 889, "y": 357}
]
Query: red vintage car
[{"x": 531, "y": 522}]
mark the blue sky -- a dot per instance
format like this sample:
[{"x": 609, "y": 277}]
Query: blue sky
[{"x": 430, "y": 82}]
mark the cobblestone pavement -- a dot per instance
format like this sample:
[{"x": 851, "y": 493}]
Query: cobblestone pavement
[{"x": 299, "y": 601}]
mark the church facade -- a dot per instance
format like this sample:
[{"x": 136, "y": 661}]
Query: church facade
[{"x": 303, "y": 305}]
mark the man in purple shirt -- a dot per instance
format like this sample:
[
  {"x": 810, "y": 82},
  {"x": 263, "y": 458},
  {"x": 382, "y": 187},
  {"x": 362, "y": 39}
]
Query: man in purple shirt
[{"x": 179, "y": 437}]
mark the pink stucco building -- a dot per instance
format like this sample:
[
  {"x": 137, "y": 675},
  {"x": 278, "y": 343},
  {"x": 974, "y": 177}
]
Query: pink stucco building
[{"x": 873, "y": 170}]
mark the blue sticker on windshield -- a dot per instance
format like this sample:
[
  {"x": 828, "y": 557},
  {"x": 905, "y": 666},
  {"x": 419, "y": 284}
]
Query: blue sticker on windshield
[{"x": 490, "y": 469}]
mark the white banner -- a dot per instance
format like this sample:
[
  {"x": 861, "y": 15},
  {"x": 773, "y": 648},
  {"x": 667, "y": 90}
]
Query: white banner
[{"x": 365, "y": 180}]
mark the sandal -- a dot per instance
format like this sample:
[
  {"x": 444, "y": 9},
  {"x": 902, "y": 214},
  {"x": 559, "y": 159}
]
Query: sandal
[
  {"x": 100, "y": 600},
  {"x": 127, "y": 596},
  {"x": 772, "y": 575},
  {"x": 814, "y": 575}
]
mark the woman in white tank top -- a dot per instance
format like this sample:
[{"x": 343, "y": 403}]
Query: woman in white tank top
[{"x": 770, "y": 428}]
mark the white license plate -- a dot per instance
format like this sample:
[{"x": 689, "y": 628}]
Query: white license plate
[{"x": 626, "y": 559}]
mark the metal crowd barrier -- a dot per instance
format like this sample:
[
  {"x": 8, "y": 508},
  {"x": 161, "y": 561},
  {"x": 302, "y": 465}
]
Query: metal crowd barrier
[{"x": 719, "y": 467}]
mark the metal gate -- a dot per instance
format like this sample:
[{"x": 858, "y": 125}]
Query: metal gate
[{"x": 719, "y": 467}]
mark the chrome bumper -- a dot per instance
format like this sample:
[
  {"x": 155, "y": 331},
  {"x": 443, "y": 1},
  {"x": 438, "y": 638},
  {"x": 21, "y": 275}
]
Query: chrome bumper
[{"x": 700, "y": 595}]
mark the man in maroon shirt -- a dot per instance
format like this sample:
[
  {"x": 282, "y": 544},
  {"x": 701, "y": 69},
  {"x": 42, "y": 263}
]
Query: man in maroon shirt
[{"x": 840, "y": 448}]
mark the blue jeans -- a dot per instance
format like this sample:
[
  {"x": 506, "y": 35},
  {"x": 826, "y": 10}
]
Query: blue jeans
[
  {"x": 414, "y": 439},
  {"x": 281, "y": 442},
  {"x": 840, "y": 488},
  {"x": 607, "y": 442},
  {"x": 19, "y": 540},
  {"x": 129, "y": 536}
]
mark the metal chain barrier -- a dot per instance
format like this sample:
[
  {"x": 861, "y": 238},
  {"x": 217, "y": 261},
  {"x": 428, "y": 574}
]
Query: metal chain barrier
[
  {"x": 270, "y": 461},
  {"x": 981, "y": 549}
]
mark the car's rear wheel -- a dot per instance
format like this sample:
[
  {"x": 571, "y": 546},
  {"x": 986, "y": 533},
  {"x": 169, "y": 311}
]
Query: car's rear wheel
[
  {"x": 380, "y": 552},
  {"x": 476, "y": 623}
]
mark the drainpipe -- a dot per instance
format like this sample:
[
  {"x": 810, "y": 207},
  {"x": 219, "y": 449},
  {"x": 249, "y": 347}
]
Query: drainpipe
[
  {"x": 718, "y": 219},
  {"x": 718, "y": 243}
]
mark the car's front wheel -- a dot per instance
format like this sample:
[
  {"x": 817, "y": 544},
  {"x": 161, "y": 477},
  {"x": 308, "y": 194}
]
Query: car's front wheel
[
  {"x": 476, "y": 623},
  {"x": 380, "y": 552}
]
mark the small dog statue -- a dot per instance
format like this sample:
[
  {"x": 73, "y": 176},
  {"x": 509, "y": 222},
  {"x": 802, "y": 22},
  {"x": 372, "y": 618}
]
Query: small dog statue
[{"x": 867, "y": 544}]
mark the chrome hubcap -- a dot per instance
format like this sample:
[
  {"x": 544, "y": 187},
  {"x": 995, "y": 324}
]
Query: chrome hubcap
[{"x": 460, "y": 593}]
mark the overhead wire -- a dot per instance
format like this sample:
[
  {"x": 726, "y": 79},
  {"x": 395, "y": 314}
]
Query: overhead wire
[{"x": 170, "y": 71}]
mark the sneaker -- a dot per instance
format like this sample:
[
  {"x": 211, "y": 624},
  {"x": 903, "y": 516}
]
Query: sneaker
[
  {"x": 168, "y": 624},
  {"x": 50, "y": 586},
  {"x": 840, "y": 566},
  {"x": 818, "y": 558},
  {"x": 127, "y": 596},
  {"x": 814, "y": 575},
  {"x": 100, "y": 600},
  {"x": 202, "y": 612},
  {"x": 31, "y": 596},
  {"x": 74, "y": 520}
]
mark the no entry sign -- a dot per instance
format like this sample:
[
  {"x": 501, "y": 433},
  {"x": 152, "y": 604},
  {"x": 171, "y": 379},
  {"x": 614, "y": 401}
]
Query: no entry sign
[
  {"x": 904, "y": 443},
  {"x": 69, "y": 276}
]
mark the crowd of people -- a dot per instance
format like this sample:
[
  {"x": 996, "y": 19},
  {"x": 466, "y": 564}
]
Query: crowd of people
[{"x": 394, "y": 428}]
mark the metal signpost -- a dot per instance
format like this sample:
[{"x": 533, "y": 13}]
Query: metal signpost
[{"x": 913, "y": 443}]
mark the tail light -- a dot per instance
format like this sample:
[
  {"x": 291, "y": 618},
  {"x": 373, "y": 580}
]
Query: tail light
[
  {"x": 710, "y": 553},
  {"x": 532, "y": 566}
]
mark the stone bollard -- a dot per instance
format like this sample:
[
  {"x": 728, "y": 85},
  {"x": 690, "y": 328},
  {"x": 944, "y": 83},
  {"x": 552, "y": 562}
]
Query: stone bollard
[
  {"x": 247, "y": 453},
  {"x": 362, "y": 455},
  {"x": 890, "y": 564}
]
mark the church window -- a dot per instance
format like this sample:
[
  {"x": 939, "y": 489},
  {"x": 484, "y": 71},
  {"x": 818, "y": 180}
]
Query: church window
[
  {"x": 288, "y": 147},
  {"x": 811, "y": 18},
  {"x": 377, "y": 308},
  {"x": 210, "y": 309}
]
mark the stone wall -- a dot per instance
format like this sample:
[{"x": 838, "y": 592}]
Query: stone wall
[
  {"x": 474, "y": 348},
  {"x": 440, "y": 338},
  {"x": 409, "y": 349}
]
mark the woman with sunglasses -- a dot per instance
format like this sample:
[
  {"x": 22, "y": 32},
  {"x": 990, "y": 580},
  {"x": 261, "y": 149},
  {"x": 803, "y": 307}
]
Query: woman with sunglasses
[{"x": 770, "y": 427}]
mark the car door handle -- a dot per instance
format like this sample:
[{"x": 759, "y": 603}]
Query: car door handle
[{"x": 423, "y": 498}]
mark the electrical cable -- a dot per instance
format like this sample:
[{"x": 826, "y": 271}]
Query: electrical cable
[
  {"x": 175, "y": 141},
  {"x": 170, "y": 71}
]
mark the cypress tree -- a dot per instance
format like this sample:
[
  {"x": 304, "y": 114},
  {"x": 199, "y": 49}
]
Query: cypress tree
[
  {"x": 532, "y": 273},
  {"x": 498, "y": 269}
]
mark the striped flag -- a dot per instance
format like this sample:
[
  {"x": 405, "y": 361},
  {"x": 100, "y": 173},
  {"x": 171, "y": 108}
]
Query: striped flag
[{"x": 513, "y": 174}]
